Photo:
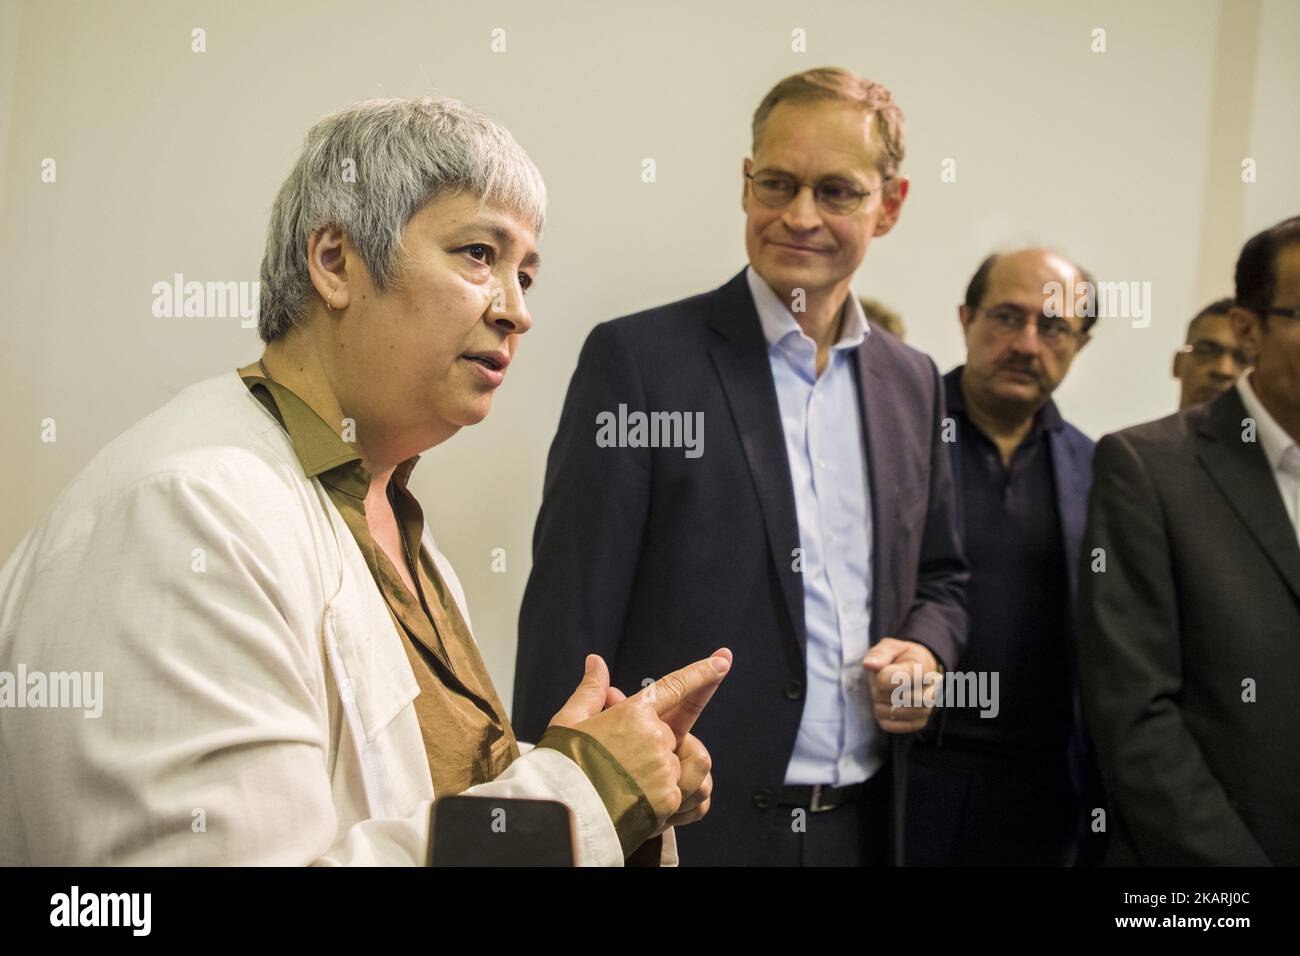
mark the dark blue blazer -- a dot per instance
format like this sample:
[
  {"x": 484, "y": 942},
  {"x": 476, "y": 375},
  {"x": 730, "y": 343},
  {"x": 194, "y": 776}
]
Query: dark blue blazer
[
  {"x": 1070, "y": 452},
  {"x": 653, "y": 560}
]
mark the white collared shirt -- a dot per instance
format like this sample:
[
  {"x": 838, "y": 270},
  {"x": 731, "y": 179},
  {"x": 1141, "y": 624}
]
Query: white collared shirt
[
  {"x": 838, "y": 741},
  {"x": 1280, "y": 449}
]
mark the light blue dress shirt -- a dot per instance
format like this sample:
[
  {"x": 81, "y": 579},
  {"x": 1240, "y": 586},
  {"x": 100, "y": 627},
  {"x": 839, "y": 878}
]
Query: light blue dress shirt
[{"x": 838, "y": 743}]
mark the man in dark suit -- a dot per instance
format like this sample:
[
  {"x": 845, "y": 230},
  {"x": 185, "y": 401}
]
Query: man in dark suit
[
  {"x": 1005, "y": 778},
  {"x": 1189, "y": 602},
  {"x": 811, "y": 530}
]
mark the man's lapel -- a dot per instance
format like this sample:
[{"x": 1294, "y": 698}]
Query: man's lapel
[
  {"x": 1073, "y": 480},
  {"x": 742, "y": 363},
  {"x": 889, "y": 426},
  {"x": 1242, "y": 474}
]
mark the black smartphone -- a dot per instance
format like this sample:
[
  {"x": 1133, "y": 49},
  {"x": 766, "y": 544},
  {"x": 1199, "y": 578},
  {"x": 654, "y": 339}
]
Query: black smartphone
[{"x": 494, "y": 831}]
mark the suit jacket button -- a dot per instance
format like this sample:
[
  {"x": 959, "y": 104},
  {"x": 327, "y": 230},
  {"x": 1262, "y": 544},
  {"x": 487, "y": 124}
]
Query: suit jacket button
[
  {"x": 762, "y": 799},
  {"x": 794, "y": 690}
]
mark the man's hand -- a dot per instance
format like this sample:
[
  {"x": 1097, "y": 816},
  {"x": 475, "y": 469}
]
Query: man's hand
[
  {"x": 644, "y": 732},
  {"x": 909, "y": 670}
]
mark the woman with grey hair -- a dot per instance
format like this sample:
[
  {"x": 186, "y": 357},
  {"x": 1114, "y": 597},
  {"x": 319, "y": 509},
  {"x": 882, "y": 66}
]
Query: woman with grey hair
[{"x": 289, "y": 667}]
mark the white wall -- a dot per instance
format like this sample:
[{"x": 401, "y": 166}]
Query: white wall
[{"x": 168, "y": 161}]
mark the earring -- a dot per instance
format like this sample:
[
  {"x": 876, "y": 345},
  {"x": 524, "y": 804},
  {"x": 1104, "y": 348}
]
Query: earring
[{"x": 329, "y": 303}]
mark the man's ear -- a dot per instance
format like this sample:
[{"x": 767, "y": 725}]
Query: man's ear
[
  {"x": 964, "y": 316},
  {"x": 746, "y": 168},
  {"x": 1178, "y": 364},
  {"x": 891, "y": 204},
  {"x": 327, "y": 264}
]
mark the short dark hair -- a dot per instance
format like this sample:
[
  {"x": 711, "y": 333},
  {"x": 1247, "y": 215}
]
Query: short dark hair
[
  {"x": 979, "y": 286},
  {"x": 1256, "y": 274},
  {"x": 1217, "y": 307},
  {"x": 979, "y": 282}
]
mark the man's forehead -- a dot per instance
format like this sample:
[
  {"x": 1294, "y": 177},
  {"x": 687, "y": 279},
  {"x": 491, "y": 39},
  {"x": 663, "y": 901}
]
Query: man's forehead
[
  {"x": 1024, "y": 274},
  {"x": 828, "y": 137},
  {"x": 1288, "y": 269},
  {"x": 1216, "y": 326}
]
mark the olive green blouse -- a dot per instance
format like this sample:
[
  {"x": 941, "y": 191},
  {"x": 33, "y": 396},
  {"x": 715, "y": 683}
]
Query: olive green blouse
[{"x": 467, "y": 736}]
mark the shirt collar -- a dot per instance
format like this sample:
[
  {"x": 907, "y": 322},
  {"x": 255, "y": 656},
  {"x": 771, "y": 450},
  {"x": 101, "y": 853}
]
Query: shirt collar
[
  {"x": 1273, "y": 438},
  {"x": 779, "y": 323},
  {"x": 320, "y": 449},
  {"x": 1047, "y": 418}
]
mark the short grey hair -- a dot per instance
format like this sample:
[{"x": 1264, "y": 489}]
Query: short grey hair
[{"x": 401, "y": 153}]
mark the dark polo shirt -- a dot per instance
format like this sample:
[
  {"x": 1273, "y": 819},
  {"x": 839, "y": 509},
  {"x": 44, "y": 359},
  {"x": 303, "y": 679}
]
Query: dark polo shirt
[{"x": 1018, "y": 600}]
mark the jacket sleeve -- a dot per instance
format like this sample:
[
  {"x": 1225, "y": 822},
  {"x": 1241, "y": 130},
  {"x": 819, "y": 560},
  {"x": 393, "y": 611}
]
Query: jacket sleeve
[
  {"x": 587, "y": 540},
  {"x": 1171, "y": 807},
  {"x": 938, "y": 615},
  {"x": 550, "y": 775},
  {"x": 537, "y": 775},
  {"x": 211, "y": 745},
  {"x": 211, "y": 748}
]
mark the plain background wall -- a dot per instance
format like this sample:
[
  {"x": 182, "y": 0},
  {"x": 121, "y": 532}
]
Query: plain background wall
[{"x": 168, "y": 160}]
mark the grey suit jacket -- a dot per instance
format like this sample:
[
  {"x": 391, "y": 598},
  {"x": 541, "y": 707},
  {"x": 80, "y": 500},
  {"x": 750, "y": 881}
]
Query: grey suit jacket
[{"x": 1190, "y": 643}]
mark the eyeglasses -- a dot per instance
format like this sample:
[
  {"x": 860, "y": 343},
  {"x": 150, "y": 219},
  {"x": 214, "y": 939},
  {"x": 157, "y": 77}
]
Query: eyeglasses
[
  {"x": 1053, "y": 331},
  {"x": 834, "y": 196},
  {"x": 1203, "y": 350}
]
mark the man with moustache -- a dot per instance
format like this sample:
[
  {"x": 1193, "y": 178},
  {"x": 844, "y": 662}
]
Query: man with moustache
[
  {"x": 816, "y": 531},
  {"x": 1211, "y": 359},
  {"x": 1189, "y": 610},
  {"x": 1013, "y": 783}
]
